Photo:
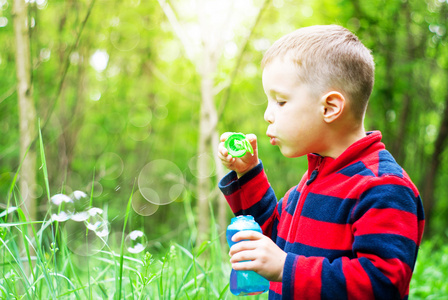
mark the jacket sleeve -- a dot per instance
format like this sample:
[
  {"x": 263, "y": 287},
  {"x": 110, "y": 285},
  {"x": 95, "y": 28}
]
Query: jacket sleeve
[
  {"x": 387, "y": 226},
  {"x": 252, "y": 195}
]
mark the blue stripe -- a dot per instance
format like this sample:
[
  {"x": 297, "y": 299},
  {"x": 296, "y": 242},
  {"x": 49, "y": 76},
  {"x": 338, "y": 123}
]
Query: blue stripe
[
  {"x": 381, "y": 285},
  {"x": 274, "y": 296},
  {"x": 334, "y": 285},
  {"x": 420, "y": 211},
  {"x": 388, "y": 196},
  {"x": 263, "y": 209},
  {"x": 289, "y": 276},
  {"x": 387, "y": 246},
  {"x": 292, "y": 200},
  {"x": 388, "y": 165},
  {"x": 230, "y": 183},
  {"x": 308, "y": 251},
  {"x": 358, "y": 168},
  {"x": 280, "y": 207},
  {"x": 328, "y": 208},
  {"x": 280, "y": 242}
]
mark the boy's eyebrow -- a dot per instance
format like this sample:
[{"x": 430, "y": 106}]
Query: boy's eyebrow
[{"x": 278, "y": 92}]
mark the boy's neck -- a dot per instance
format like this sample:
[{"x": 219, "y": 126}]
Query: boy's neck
[{"x": 341, "y": 138}]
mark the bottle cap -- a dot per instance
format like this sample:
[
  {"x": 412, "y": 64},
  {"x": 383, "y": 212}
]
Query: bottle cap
[{"x": 237, "y": 144}]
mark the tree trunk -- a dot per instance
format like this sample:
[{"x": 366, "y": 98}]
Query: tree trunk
[
  {"x": 27, "y": 110},
  {"x": 207, "y": 130},
  {"x": 434, "y": 166}
]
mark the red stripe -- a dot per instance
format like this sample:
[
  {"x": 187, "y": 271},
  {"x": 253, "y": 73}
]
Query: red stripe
[
  {"x": 393, "y": 180},
  {"x": 284, "y": 227},
  {"x": 398, "y": 272},
  {"x": 253, "y": 192},
  {"x": 307, "y": 277},
  {"x": 276, "y": 287},
  {"x": 360, "y": 288},
  {"x": 421, "y": 227},
  {"x": 325, "y": 235},
  {"x": 388, "y": 221},
  {"x": 340, "y": 186},
  {"x": 234, "y": 201}
]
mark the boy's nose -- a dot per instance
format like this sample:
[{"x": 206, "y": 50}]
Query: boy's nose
[{"x": 268, "y": 116}]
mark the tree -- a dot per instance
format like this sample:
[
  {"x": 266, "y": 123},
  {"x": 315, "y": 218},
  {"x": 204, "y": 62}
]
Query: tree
[
  {"x": 27, "y": 110},
  {"x": 206, "y": 61}
]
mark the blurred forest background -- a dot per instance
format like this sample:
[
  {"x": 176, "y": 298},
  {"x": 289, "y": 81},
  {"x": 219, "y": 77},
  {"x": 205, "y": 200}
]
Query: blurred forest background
[{"x": 132, "y": 96}]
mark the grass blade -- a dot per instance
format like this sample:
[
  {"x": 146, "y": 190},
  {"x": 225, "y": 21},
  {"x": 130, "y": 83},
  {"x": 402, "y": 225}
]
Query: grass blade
[{"x": 120, "y": 277}]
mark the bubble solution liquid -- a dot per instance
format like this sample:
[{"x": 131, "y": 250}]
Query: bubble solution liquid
[{"x": 245, "y": 283}]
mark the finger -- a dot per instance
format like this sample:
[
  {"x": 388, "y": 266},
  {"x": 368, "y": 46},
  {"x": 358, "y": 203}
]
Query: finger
[
  {"x": 242, "y": 246},
  {"x": 251, "y": 137},
  {"x": 243, "y": 256},
  {"x": 247, "y": 235},
  {"x": 244, "y": 266},
  {"x": 222, "y": 150},
  {"x": 224, "y": 136}
]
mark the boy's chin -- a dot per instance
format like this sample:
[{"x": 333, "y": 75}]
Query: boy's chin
[{"x": 289, "y": 153}]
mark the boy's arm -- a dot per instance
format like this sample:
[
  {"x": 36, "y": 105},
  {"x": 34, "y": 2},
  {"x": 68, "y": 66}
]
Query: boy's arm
[
  {"x": 246, "y": 187},
  {"x": 387, "y": 226},
  {"x": 252, "y": 195}
]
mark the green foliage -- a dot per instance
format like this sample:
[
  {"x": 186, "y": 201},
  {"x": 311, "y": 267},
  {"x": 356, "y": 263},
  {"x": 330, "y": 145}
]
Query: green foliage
[
  {"x": 180, "y": 272},
  {"x": 176, "y": 272},
  {"x": 114, "y": 90},
  {"x": 431, "y": 271}
]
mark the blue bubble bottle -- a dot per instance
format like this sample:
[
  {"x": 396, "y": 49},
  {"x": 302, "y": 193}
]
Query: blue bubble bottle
[{"x": 245, "y": 283}]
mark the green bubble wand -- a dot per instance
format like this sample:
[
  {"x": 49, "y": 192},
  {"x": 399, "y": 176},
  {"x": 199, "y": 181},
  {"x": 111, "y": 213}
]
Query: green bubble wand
[{"x": 237, "y": 144}]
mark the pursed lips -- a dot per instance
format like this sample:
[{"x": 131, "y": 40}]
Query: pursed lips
[{"x": 273, "y": 138}]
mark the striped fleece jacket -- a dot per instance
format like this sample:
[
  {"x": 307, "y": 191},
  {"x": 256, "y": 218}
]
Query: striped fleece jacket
[{"x": 351, "y": 228}]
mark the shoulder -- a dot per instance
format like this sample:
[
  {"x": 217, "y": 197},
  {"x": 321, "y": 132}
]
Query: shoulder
[{"x": 381, "y": 183}]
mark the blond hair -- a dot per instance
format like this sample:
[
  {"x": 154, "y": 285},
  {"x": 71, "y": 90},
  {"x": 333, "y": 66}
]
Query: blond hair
[{"x": 329, "y": 57}]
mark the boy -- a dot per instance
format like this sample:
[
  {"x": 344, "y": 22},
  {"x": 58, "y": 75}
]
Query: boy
[{"x": 352, "y": 227}]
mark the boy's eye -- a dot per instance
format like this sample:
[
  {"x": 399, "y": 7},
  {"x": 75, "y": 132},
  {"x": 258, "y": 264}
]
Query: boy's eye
[{"x": 281, "y": 103}]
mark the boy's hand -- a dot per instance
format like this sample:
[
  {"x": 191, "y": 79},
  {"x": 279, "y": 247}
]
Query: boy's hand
[
  {"x": 257, "y": 253},
  {"x": 241, "y": 165}
]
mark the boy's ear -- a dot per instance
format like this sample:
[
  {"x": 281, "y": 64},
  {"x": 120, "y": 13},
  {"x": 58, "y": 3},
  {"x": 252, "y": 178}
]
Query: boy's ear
[{"x": 333, "y": 104}]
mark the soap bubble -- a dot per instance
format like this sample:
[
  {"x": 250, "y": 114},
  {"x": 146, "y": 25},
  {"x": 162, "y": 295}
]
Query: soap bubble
[
  {"x": 81, "y": 204},
  {"x": 82, "y": 240},
  {"x": 193, "y": 165},
  {"x": 138, "y": 133},
  {"x": 87, "y": 234},
  {"x": 125, "y": 37},
  {"x": 36, "y": 190},
  {"x": 257, "y": 100},
  {"x": 61, "y": 207},
  {"x": 97, "y": 223},
  {"x": 110, "y": 166},
  {"x": 161, "y": 182},
  {"x": 142, "y": 206},
  {"x": 140, "y": 115},
  {"x": 97, "y": 188},
  {"x": 136, "y": 241}
]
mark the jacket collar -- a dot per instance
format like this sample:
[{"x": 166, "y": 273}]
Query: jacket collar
[{"x": 357, "y": 151}]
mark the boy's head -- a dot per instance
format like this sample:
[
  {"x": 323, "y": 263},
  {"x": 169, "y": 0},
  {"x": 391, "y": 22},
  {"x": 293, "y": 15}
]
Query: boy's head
[{"x": 329, "y": 57}]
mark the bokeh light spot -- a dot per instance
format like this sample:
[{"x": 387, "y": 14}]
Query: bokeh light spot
[
  {"x": 161, "y": 182},
  {"x": 110, "y": 166},
  {"x": 142, "y": 206}
]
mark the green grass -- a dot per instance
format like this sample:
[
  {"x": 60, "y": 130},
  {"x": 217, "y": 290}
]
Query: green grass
[
  {"x": 42, "y": 260},
  {"x": 39, "y": 261},
  {"x": 430, "y": 279}
]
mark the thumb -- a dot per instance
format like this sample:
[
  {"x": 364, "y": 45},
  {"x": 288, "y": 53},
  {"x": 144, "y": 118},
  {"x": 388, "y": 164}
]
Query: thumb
[{"x": 252, "y": 138}]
